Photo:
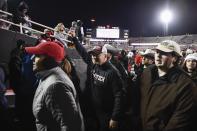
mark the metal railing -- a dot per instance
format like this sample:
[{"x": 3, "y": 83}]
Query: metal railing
[
  {"x": 19, "y": 25},
  {"x": 28, "y": 28},
  {"x": 7, "y": 13}
]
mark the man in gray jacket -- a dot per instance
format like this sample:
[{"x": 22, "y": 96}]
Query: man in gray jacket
[{"x": 55, "y": 105}]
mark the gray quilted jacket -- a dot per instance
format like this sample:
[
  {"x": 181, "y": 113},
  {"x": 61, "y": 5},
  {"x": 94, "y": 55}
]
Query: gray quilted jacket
[{"x": 56, "y": 105}]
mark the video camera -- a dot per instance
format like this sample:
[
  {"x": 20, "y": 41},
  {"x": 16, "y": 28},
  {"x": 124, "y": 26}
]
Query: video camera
[{"x": 77, "y": 27}]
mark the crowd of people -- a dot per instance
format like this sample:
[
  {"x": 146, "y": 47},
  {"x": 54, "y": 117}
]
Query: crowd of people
[{"x": 153, "y": 90}]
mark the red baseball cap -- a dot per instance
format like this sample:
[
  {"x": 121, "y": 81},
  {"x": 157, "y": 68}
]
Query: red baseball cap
[{"x": 52, "y": 49}]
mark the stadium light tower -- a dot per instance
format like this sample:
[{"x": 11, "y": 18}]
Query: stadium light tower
[
  {"x": 166, "y": 18},
  {"x": 93, "y": 22}
]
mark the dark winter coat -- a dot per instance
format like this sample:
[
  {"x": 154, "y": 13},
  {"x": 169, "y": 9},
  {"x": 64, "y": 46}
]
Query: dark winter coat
[
  {"x": 167, "y": 101},
  {"x": 106, "y": 85}
]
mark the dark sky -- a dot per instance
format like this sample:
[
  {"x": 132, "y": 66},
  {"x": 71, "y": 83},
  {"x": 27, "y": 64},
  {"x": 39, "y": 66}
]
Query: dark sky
[{"x": 141, "y": 17}]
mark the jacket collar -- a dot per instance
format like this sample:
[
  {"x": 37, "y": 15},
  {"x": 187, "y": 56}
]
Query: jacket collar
[
  {"x": 44, "y": 74},
  {"x": 171, "y": 76},
  {"x": 105, "y": 65}
]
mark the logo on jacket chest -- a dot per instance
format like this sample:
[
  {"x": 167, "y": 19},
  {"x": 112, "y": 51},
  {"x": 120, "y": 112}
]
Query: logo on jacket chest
[{"x": 99, "y": 77}]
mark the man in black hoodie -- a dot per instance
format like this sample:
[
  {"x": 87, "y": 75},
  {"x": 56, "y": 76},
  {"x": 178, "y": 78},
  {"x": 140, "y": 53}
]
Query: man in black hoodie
[{"x": 106, "y": 86}]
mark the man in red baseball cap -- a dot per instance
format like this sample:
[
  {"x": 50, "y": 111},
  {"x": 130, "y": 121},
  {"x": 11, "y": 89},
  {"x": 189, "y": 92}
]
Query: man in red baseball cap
[
  {"x": 55, "y": 104},
  {"x": 52, "y": 49},
  {"x": 46, "y": 51}
]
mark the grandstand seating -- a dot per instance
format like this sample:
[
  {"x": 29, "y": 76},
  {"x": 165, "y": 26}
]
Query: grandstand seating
[{"x": 184, "y": 40}]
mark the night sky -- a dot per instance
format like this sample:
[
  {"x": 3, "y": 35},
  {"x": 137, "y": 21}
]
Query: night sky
[{"x": 141, "y": 17}]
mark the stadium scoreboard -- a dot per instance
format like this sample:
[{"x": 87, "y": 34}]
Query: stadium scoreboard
[{"x": 107, "y": 33}]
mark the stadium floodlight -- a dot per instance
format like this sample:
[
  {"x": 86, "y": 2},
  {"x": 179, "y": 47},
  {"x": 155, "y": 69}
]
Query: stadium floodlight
[
  {"x": 166, "y": 18},
  {"x": 92, "y": 20}
]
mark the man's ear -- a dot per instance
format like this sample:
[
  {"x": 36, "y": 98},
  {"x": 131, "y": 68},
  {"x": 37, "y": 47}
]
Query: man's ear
[
  {"x": 106, "y": 55},
  {"x": 174, "y": 60}
]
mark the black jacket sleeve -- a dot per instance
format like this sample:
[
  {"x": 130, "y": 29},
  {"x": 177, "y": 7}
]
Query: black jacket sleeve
[
  {"x": 82, "y": 51},
  {"x": 180, "y": 120},
  {"x": 118, "y": 96}
]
